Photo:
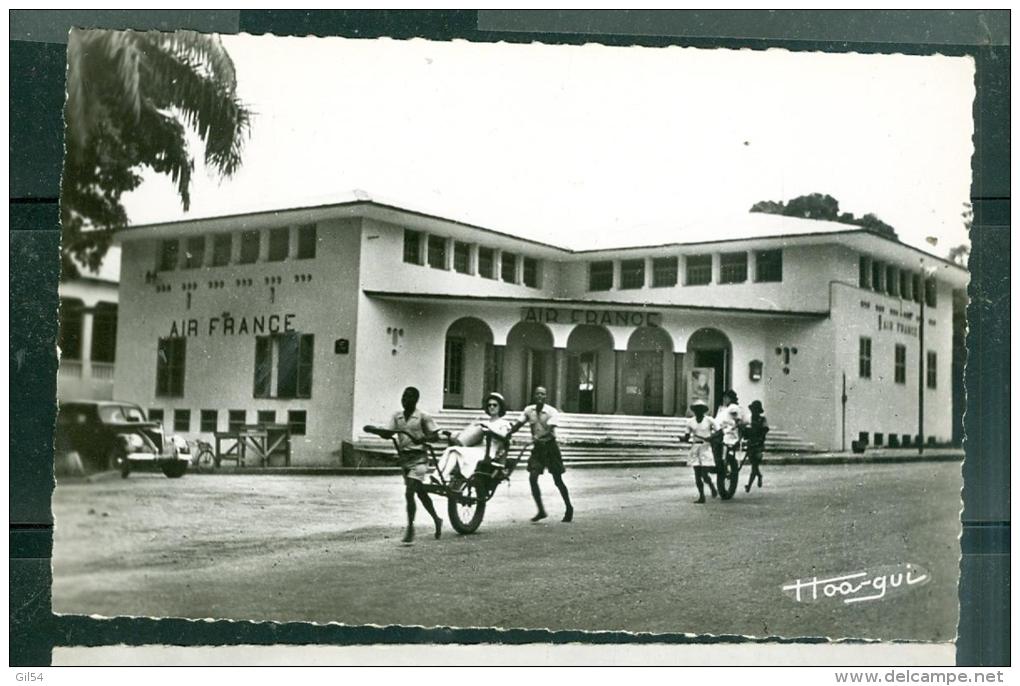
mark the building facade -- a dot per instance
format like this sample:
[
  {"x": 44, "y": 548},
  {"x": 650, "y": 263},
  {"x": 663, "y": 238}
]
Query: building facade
[
  {"x": 318, "y": 317},
  {"x": 87, "y": 338}
]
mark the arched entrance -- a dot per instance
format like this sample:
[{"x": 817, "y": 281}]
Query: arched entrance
[
  {"x": 707, "y": 367},
  {"x": 591, "y": 370},
  {"x": 648, "y": 372},
  {"x": 467, "y": 362},
  {"x": 529, "y": 361}
]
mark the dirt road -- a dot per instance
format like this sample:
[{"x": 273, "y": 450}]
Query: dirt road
[{"x": 640, "y": 556}]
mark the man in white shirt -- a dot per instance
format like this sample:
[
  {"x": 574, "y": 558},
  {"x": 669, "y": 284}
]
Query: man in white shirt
[
  {"x": 421, "y": 427},
  {"x": 545, "y": 452}
]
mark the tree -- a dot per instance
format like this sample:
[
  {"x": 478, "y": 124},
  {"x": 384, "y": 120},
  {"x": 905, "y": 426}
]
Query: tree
[
  {"x": 826, "y": 207},
  {"x": 131, "y": 99}
]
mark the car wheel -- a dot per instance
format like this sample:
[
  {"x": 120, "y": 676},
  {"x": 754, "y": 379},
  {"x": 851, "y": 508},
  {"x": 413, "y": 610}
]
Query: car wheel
[
  {"x": 116, "y": 460},
  {"x": 175, "y": 469}
]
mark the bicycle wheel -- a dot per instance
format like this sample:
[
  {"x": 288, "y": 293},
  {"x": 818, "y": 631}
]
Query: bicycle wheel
[
  {"x": 466, "y": 508},
  {"x": 206, "y": 461}
]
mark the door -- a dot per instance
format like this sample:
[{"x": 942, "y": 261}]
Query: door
[
  {"x": 582, "y": 371},
  {"x": 642, "y": 387},
  {"x": 716, "y": 361},
  {"x": 538, "y": 367},
  {"x": 453, "y": 373}
]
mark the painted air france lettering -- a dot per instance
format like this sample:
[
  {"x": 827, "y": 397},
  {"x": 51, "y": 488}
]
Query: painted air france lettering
[
  {"x": 552, "y": 315},
  {"x": 225, "y": 325},
  {"x": 859, "y": 587}
]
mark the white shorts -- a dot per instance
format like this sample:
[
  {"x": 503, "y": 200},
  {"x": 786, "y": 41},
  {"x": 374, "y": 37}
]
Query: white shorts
[{"x": 701, "y": 455}]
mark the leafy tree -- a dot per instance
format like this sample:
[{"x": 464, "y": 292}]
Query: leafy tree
[
  {"x": 131, "y": 99},
  {"x": 960, "y": 254},
  {"x": 819, "y": 206}
]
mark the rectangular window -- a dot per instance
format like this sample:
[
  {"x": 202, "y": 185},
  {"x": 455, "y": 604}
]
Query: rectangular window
[
  {"x": 267, "y": 417},
  {"x": 531, "y": 273},
  {"x": 733, "y": 267},
  {"x": 915, "y": 283},
  {"x": 194, "y": 252},
  {"x": 930, "y": 370},
  {"x": 250, "y": 244},
  {"x": 901, "y": 364},
  {"x": 698, "y": 270},
  {"x": 877, "y": 276},
  {"x": 905, "y": 441},
  {"x": 279, "y": 244},
  {"x": 168, "y": 250},
  {"x": 208, "y": 421},
  {"x": 600, "y": 276},
  {"x": 412, "y": 246},
  {"x": 930, "y": 291},
  {"x": 864, "y": 358},
  {"x": 508, "y": 267},
  {"x": 905, "y": 285},
  {"x": 632, "y": 273},
  {"x": 879, "y": 439},
  {"x": 236, "y": 419},
  {"x": 768, "y": 266},
  {"x": 104, "y": 332},
  {"x": 864, "y": 272},
  {"x": 437, "y": 252},
  {"x": 892, "y": 280},
  {"x": 170, "y": 359},
  {"x": 223, "y": 244},
  {"x": 182, "y": 420},
  {"x": 307, "y": 238},
  {"x": 283, "y": 366},
  {"x": 298, "y": 422},
  {"x": 72, "y": 319},
  {"x": 486, "y": 263},
  {"x": 156, "y": 414},
  {"x": 461, "y": 257},
  {"x": 664, "y": 271}
]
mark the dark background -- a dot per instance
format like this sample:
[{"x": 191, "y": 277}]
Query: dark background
[{"x": 37, "y": 66}]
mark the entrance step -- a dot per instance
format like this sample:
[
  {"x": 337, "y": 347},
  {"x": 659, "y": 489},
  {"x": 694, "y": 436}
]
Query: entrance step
[{"x": 593, "y": 437}]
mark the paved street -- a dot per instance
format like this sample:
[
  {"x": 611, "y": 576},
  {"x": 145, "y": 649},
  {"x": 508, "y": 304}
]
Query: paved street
[{"x": 640, "y": 556}]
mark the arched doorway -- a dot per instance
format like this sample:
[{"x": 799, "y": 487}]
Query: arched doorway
[
  {"x": 467, "y": 363},
  {"x": 707, "y": 367},
  {"x": 648, "y": 372},
  {"x": 591, "y": 371},
  {"x": 529, "y": 361}
]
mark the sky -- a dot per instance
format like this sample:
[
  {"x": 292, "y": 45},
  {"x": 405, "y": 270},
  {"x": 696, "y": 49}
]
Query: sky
[{"x": 582, "y": 145}]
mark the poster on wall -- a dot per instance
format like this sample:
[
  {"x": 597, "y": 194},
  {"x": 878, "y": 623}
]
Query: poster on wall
[{"x": 699, "y": 386}]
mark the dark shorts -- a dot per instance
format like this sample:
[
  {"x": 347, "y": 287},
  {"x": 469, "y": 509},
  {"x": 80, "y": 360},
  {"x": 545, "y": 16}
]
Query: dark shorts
[
  {"x": 546, "y": 455},
  {"x": 754, "y": 454}
]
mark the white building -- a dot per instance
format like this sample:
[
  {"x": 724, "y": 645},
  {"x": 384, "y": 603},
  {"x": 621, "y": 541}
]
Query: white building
[
  {"x": 317, "y": 317},
  {"x": 88, "y": 337}
]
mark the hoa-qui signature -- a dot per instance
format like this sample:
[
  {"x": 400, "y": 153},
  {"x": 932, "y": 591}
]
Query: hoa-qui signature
[{"x": 859, "y": 587}]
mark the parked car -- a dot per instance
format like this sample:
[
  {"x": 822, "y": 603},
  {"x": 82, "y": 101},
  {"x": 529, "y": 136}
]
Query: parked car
[{"x": 116, "y": 435}]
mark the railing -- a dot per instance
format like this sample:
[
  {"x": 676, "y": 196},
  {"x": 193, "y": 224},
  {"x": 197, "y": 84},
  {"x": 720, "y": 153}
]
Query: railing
[
  {"x": 102, "y": 371},
  {"x": 76, "y": 369},
  {"x": 71, "y": 369}
]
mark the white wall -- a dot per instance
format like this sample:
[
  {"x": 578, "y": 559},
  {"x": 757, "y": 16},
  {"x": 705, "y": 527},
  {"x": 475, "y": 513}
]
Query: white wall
[
  {"x": 879, "y": 404},
  {"x": 320, "y": 293},
  {"x": 383, "y": 249},
  {"x": 803, "y": 266}
]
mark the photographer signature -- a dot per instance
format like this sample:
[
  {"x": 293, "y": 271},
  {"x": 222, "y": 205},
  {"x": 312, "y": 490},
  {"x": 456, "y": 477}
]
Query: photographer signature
[{"x": 859, "y": 587}]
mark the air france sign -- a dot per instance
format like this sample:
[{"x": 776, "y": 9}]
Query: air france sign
[
  {"x": 556, "y": 315},
  {"x": 225, "y": 325}
]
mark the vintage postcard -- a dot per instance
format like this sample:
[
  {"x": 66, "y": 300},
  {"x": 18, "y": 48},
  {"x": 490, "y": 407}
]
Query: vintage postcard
[{"x": 453, "y": 334}]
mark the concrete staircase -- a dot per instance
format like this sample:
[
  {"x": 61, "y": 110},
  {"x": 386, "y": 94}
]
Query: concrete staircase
[{"x": 591, "y": 438}]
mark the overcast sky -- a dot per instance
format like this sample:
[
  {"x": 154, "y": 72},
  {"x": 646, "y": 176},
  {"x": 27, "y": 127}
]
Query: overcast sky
[{"x": 573, "y": 145}]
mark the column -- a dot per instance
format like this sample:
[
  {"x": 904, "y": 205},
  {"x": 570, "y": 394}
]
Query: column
[
  {"x": 618, "y": 364},
  {"x": 86, "y": 342},
  {"x": 559, "y": 377},
  {"x": 680, "y": 387}
]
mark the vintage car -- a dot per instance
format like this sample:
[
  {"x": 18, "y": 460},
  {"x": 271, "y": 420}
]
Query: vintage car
[{"x": 108, "y": 434}]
